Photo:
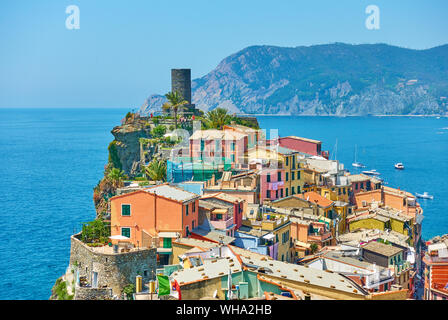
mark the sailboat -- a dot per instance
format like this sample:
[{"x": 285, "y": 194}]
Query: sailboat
[{"x": 356, "y": 163}]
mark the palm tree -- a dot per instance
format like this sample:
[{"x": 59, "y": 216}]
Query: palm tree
[
  {"x": 156, "y": 170},
  {"x": 116, "y": 176},
  {"x": 175, "y": 100},
  {"x": 217, "y": 118}
]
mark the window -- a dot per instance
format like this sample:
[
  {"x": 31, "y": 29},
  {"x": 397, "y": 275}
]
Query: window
[
  {"x": 293, "y": 162},
  {"x": 281, "y": 193},
  {"x": 167, "y": 242},
  {"x": 202, "y": 145},
  {"x": 192, "y": 225},
  {"x": 145, "y": 273},
  {"x": 233, "y": 158},
  {"x": 276, "y": 194},
  {"x": 287, "y": 176},
  {"x": 287, "y": 161},
  {"x": 292, "y": 190},
  {"x": 187, "y": 231},
  {"x": 193, "y": 205},
  {"x": 268, "y": 194},
  {"x": 125, "y": 209},
  {"x": 186, "y": 209},
  {"x": 298, "y": 175},
  {"x": 287, "y": 193},
  {"x": 268, "y": 177},
  {"x": 126, "y": 232},
  {"x": 362, "y": 185},
  {"x": 292, "y": 176},
  {"x": 279, "y": 176},
  {"x": 232, "y": 146},
  {"x": 298, "y": 189}
]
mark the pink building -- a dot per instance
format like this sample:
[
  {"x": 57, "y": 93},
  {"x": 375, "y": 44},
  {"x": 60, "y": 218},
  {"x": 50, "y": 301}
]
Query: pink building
[
  {"x": 218, "y": 144},
  {"x": 234, "y": 216},
  {"x": 272, "y": 184}
]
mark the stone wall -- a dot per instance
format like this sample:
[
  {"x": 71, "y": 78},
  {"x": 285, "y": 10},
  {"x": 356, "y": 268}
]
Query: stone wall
[
  {"x": 114, "y": 271},
  {"x": 83, "y": 293}
]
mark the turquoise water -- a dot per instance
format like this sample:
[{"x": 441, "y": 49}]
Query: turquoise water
[{"x": 52, "y": 158}]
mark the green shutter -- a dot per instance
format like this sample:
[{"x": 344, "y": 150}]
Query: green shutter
[
  {"x": 126, "y": 232},
  {"x": 125, "y": 209}
]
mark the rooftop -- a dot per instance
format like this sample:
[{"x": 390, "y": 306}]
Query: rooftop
[
  {"x": 382, "y": 249},
  {"x": 171, "y": 192},
  {"x": 314, "y": 197},
  {"x": 362, "y": 177},
  {"x": 303, "y": 139},
  {"x": 217, "y": 134}
]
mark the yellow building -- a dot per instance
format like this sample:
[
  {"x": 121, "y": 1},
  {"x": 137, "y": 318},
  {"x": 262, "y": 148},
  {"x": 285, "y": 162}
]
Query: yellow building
[
  {"x": 278, "y": 228},
  {"x": 382, "y": 219},
  {"x": 289, "y": 160}
]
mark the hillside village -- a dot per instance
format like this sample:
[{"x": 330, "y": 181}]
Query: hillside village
[{"x": 226, "y": 210}]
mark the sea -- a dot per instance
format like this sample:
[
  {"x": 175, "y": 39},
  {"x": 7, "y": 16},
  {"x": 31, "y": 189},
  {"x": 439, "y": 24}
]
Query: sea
[{"x": 52, "y": 158}]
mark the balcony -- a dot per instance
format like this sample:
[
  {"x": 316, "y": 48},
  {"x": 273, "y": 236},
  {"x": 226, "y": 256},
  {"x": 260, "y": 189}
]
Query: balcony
[
  {"x": 319, "y": 237},
  {"x": 222, "y": 224}
]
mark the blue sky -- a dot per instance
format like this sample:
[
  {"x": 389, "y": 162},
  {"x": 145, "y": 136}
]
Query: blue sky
[{"x": 124, "y": 50}]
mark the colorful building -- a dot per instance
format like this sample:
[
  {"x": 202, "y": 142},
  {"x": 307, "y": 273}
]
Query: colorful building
[
  {"x": 218, "y": 145},
  {"x": 272, "y": 184},
  {"x": 436, "y": 270},
  {"x": 154, "y": 216}
]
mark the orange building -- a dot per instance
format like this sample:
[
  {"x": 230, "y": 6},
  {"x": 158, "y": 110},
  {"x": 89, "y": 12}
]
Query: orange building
[
  {"x": 436, "y": 271},
  {"x": 154, "y": 216}
]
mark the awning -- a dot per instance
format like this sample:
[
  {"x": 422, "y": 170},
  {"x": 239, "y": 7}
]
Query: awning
[
  {"x": 269, "y": 236},
  {"x": 119, "y": 237},
  {"x": 168, "y": 234}
]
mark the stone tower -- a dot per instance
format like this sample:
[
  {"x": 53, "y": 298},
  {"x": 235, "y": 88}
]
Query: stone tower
[{"x": 181, "y": 82}]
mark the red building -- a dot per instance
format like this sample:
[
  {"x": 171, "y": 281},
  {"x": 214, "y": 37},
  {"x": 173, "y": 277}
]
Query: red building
[
  {"x": 309, "y": 146},
  {"x": 436, "y": 271}
]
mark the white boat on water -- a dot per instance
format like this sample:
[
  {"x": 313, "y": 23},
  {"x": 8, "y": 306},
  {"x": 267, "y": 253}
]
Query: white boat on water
[
  {"x": 356, "y": 163},
  {"x": 399, "y": 166},
  {"x": 425, "y": 195},
  {"x": 372, "y": 172}
]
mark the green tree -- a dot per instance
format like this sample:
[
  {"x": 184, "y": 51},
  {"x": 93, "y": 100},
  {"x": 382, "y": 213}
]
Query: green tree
[
  {"x": 96, "y": 231},
  {"x": 128, "y": 290},
  {"x": 114, "y": 159},
  {"x": 314, "y": 248},
  {"x": 156, "y": 170},
  {"x": 217, "y": 118},
  {"x": 116, "y": 176},
  {"x": 158, "y": 131},
  {"x": 175, "y": 100}
]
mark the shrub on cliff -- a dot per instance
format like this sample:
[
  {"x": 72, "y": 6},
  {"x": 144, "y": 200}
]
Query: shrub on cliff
[
  {"x": 114, "y": 159},
  {"x": 60, "y": 290},
  {"x": 158, "y": 131}
]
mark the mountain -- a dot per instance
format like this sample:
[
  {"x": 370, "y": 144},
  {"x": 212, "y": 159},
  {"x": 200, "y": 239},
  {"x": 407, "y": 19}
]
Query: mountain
[{"x": 332, "y": 79}]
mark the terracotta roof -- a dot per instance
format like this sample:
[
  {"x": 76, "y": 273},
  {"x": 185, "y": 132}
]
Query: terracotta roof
[{"x": 314, "y": 197}]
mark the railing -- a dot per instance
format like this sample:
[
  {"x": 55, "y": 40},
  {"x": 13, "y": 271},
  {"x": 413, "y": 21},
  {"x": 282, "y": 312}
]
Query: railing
[{"x": 440, "y": 287}]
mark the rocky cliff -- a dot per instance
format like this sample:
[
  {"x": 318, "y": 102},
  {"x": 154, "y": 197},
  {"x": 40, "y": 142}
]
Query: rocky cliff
[{"x": 333, "y": 79}]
